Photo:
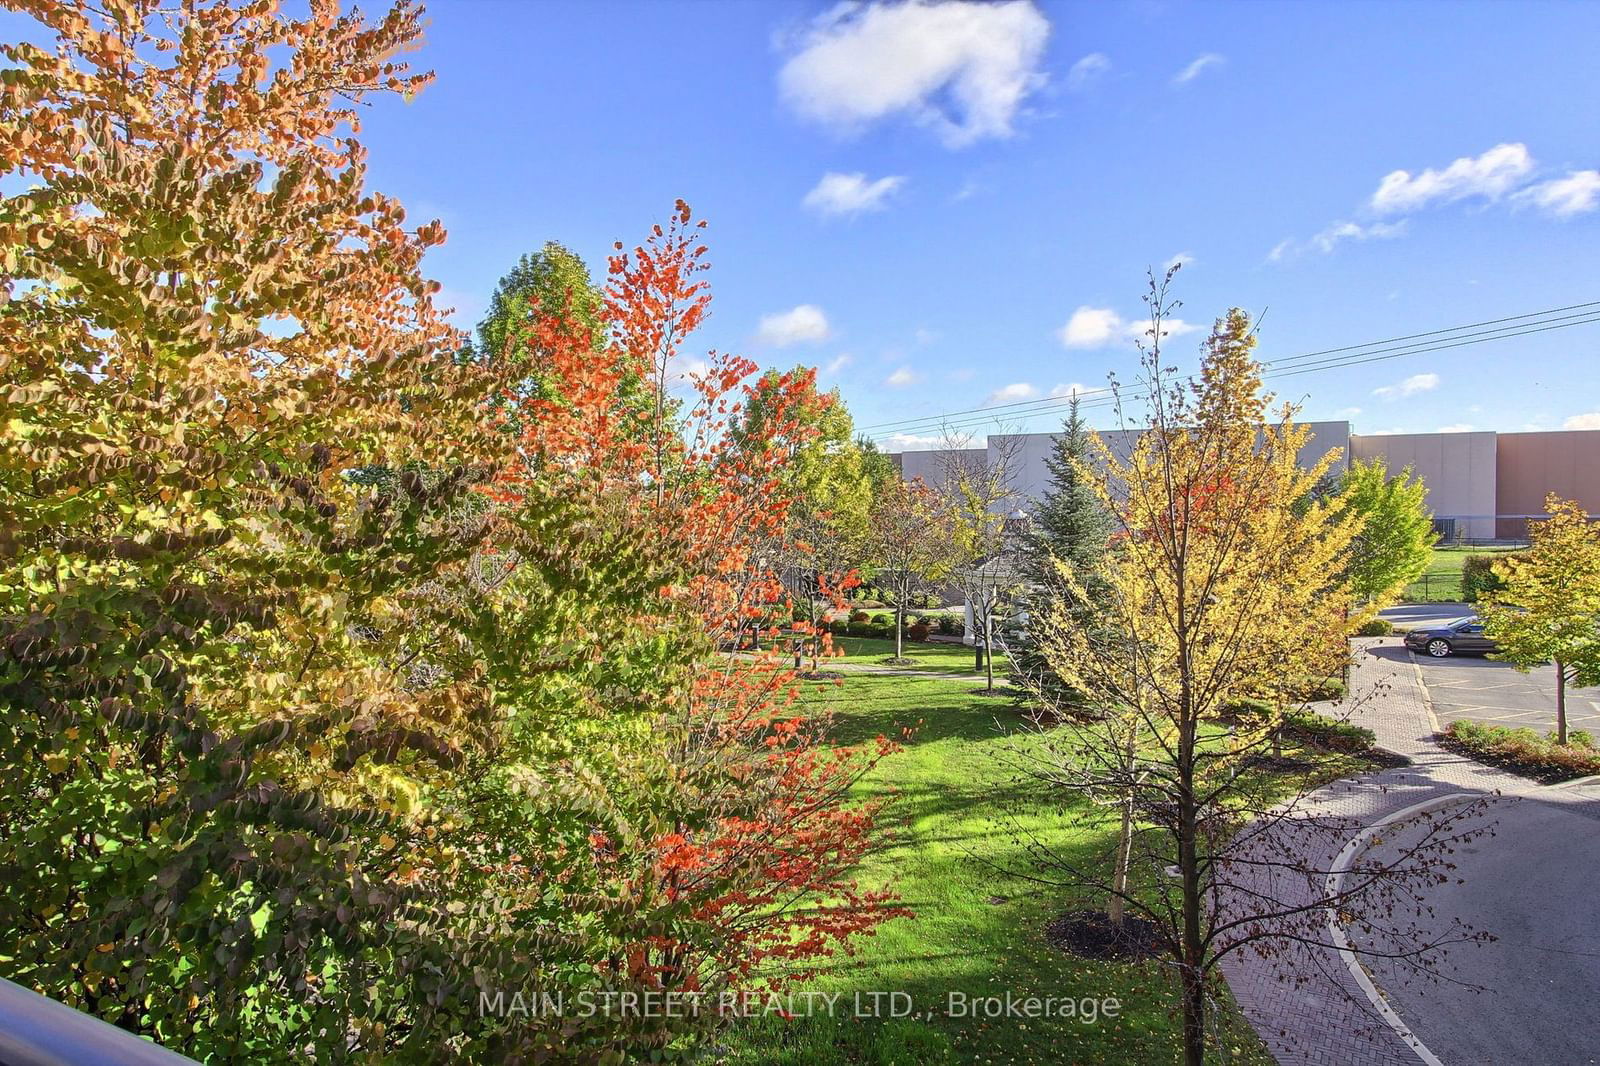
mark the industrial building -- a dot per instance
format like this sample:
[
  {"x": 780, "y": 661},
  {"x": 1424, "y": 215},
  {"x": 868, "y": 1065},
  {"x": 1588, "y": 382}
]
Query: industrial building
[{"x": 1482, "y": 486}]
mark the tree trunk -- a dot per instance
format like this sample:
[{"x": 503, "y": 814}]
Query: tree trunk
[
  {"x": 1561, "y": 702},
  {"x": 988, "y": 647},
  {"x": 900, "y": 628},
  {"x": 1119, "y": 876},
  {"x": 816, "y": 638}
]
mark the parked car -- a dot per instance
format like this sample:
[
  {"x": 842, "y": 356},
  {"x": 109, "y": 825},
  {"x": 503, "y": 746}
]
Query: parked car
[{"x": 1464, "y": 636}]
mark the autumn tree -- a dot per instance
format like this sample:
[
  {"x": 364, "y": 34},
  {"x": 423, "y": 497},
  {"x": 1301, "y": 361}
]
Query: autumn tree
[
  {"x": 1219, "y": 586},
  {"x": 332, "y": 697},
  {"x": 818, "y": 549},
  {"x": 910, "y": 546},
  {"x": 1547, "y": 608},
  {"x": 213, "y": 743},
  {"x": 978, "y": 496},
  {"x": 1396, "y": 537},
  {"x": 743, "y": 813}
]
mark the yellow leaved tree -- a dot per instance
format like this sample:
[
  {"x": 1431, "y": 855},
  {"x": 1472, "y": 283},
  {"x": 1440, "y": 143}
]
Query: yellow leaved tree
[{"x": 1218, "y": 611}]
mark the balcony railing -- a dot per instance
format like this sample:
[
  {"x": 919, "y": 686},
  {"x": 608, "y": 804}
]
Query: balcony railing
[{"x": 35, "y": 1031}]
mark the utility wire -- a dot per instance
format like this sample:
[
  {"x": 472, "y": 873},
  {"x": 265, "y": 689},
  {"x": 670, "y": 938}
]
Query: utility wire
[
  {"x": 1360, "y": 358},
  {"x": 1309, "y": 362}
]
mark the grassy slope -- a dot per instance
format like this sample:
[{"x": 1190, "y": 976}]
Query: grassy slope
[{"x": 949, "y": 794}]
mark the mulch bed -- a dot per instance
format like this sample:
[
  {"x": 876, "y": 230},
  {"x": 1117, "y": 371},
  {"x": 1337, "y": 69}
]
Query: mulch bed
[
  {"x": 1544, "y": 773},
  {"x": 1090, "y": 935},
  {"x": 821, "y": 675}
]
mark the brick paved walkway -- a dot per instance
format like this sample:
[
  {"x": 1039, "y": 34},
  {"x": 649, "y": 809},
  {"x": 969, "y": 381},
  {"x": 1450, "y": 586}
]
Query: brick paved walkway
[{"x": 1321, "y": 1017}]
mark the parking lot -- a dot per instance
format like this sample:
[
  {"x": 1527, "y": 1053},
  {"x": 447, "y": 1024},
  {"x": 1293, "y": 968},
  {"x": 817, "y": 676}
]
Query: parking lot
[
  {"x": 1494, "y": 693},
  {"x": 1482, "y": 690}
]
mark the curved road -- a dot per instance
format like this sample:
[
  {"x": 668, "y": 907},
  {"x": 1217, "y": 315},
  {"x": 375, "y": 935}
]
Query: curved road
[{"x": 1534, "y": 884}]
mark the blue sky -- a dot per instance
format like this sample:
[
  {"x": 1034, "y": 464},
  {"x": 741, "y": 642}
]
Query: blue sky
[{"x": 1021, "y": 166}]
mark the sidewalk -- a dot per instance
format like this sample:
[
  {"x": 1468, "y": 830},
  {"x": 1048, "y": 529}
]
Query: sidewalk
[{"x": 1322, "y": 1017}]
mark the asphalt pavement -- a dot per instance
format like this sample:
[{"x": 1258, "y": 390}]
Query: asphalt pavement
[
  {"x": 1476, "y": 689},
  {"x": 1529, "y": 996}
]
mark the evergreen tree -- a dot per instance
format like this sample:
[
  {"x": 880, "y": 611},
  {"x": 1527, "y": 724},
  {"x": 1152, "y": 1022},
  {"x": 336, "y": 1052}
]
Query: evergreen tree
[{"x": 1070, "y": 526}]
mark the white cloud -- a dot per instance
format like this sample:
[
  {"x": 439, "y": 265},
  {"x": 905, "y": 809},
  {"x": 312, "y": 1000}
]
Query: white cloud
[
  {"x": 1100, "y": 327},
  {"x": 1588, "y": 421},
  {"x": 1090, "y": 327},
  {"x": 1409, "y": 387},
  {"x": 1347, "y": 412},
  {"x": 963, "y": 70},
  {"x": 801, "y": 324},
  {"x": 1280, "y": 250},
  {"x": 1329, "y": 239},
  {"x": 838, "y": 363},
  {"x": 922, "y": 335},
  {"x": 1456, "y": 427},
  {"x": 1182, "y": 259},
  {"x": 1490, "y": 175},
  {"x": 1074, "y": 389},
  {"x": 850, "y": 194},
  {"x": 902, "y": 377},
  {"x": 1011, "y": 394},
  {"x": 1198, "y": 67},
  {"x": 1087, "y": 71},
  {"x": 1574, "y": 194},
  {"x": 685, "y": 368}
]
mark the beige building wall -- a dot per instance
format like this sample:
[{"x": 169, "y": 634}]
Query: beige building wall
[
  {"x": 930, "y": 465},
  {"x": 1531, "y": 465},
  {"x": 1032, "y": 449},
  {"x": 1459, "y": 470}
]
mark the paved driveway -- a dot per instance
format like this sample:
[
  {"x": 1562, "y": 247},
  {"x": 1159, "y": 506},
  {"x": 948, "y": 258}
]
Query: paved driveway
[
  {"x": 1539, "y": 980},
  {"x": 1494, "y": 693}
]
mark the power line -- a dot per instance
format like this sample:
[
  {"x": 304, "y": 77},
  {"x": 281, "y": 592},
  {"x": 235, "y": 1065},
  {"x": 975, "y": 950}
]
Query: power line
[
  {"x": 1309, "y": 362},
  {"x": 1353, "y": 360}
]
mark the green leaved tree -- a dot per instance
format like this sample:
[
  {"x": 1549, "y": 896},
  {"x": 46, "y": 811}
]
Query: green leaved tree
[
  {"x": 1548, "y": 608},
  {"x": 1396, "y": 537}
]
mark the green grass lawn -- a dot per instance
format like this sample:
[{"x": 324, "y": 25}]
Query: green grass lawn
[
  {"x": 932, "y": 655},
  {"x": 1441, "y": 582},
  {"x": 978, "y": 930}
]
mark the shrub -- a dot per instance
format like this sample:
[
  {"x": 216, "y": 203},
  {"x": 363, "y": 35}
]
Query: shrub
[
  {"x": 838, "y": 627},
  {"x": 1478, "y": 579},
  {"x": 1524, "y": 751},
  {"x": 859, "y": 616},
  {"x": 1318, "y": 690},
  {"x": 1329, "y": 732},
  {"x": 1377, "y": 627},
  {"x": 882, "y": 620},
  {"x": 918, "y": 631},
  {"x": 947, "y": 624},
  {"x": 1580, "y": 738},
  {"x": 882, "y": 632},
  {"x": 1248, "y": 710},
  {"x": 859, "y": 629}
]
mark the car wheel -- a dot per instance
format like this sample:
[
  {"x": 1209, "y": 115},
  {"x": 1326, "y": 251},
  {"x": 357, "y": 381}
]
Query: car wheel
[{"x": 1438, "y": 648}]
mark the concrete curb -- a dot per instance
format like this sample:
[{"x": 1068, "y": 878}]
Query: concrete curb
[{"x": 1341, "y": 866}]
